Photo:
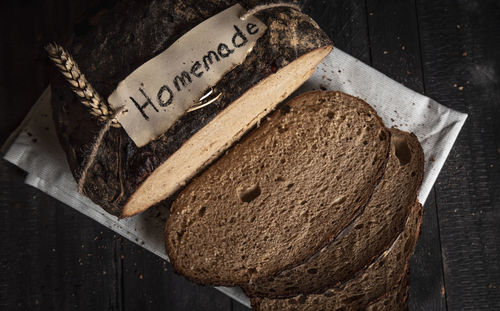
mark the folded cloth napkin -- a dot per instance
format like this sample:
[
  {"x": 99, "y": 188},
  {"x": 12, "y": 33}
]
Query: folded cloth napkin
[{"x": 34, "y": 146}]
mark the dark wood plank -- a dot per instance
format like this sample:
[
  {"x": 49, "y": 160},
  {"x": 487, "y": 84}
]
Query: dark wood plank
[
  {"x": 427, "y": 288},
  {"x": 460, "y": 43},
  {"x": 394, "y": 43},
  {"x": 53, "y": 258},
  {"x": 149, "y": 283},
  {"x": 25, "y": 28},
  {"x": 395, "y": 51},
  {"x": 345, "y": 22}
]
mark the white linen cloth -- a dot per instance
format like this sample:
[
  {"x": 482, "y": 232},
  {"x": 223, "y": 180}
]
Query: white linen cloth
[{"x": 34, "y": 146}]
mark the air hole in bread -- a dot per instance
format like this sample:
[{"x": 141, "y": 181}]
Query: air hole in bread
[
  {"x": 249, "y": 194},
  {"x": 282, "y": 129},
  {"x": 202, "y": 211},
  {"x": 382, "y": 135},
  {"x": 402, "y": 151},
  {"x": 302, "y": 299},
  {"x": 328, "y": 294},
  {"x": 312, "y": 271}
]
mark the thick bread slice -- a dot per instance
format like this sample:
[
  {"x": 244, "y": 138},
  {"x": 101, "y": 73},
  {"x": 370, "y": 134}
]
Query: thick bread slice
[
  {"x": 123, "y": 35},
  {"x": 364, "y": 239},
  {"x": 371, "y": 283},
  {"x": 281, "y": 194},
  {"x": 395, "y": 300}
]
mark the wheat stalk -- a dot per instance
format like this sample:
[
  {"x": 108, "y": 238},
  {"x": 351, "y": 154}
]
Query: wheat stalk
[{"x": 79, "y": 84}]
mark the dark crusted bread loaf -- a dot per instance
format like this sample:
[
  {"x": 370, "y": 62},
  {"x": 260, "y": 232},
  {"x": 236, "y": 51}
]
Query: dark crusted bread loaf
[
  {"x": 364, "y": 239},
  {"x": 394, "y": 300},
  {"x": 121, "y": 36},
  {"x": 373, "y": 282},
  {"x": 281, "y": 194}
]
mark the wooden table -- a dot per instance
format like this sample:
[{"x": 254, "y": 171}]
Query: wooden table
[{"x": 53, "y": 258}]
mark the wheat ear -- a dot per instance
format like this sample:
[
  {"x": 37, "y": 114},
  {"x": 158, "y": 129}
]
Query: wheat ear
[{"x": 79, "y": 84}]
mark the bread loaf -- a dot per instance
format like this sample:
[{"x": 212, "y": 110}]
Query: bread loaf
[
  {"x": 281, "y": 194},
  {"x": 118, "y": 38}
]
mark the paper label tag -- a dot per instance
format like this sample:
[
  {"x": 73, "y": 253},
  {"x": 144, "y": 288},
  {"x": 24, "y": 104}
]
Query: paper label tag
[{"x": 160, "y": 91}]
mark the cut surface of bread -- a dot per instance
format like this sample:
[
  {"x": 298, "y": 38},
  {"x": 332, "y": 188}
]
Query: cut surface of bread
[
  {"x": 369, "y": 234},
  {"x": 281, "y": 194},
  {"x": 395, "y": 300},
  {"x": 373, "y": 282},
  {"x": 226, "y": 128}
]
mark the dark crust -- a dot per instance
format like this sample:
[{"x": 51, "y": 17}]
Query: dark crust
[
  {"x": 326, "y": 240},
  {"x": 118, "y": 38},
  {"x": 256, "y": 302},
  {"x": 420, "y": 172}
]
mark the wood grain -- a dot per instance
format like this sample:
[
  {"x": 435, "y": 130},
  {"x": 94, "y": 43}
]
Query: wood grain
[
  {"x": 52, "y": 257},
  {"x": 44, "y": 266},
  {"x": 149, "y": 283},
  {"x": 460, "y": 43}
]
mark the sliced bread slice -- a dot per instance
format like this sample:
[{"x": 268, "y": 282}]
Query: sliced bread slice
[
  {"x": 365, "y": 238},
  {"x": 394, "y": 300},
  {"x": 281, "y": 194},
  {"x": 376, "y": 280}
]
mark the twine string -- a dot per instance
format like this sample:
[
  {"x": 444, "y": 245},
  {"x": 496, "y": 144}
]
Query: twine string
[
  {"x": 263, "y": 7},
  {"x": 95, "y": 148}
]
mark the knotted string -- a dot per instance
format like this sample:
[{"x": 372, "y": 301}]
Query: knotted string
[{"x": 95, "y": 148}]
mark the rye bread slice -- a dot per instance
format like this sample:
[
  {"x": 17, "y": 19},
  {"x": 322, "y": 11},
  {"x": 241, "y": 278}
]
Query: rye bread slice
[
  {"x": 122, "y": 35},
  {"x": 365, "y": 238},
  {"x": 281, "y": 194},
  {"x": 394, "y": 300},
  {"x": 373, "y": 282}
]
